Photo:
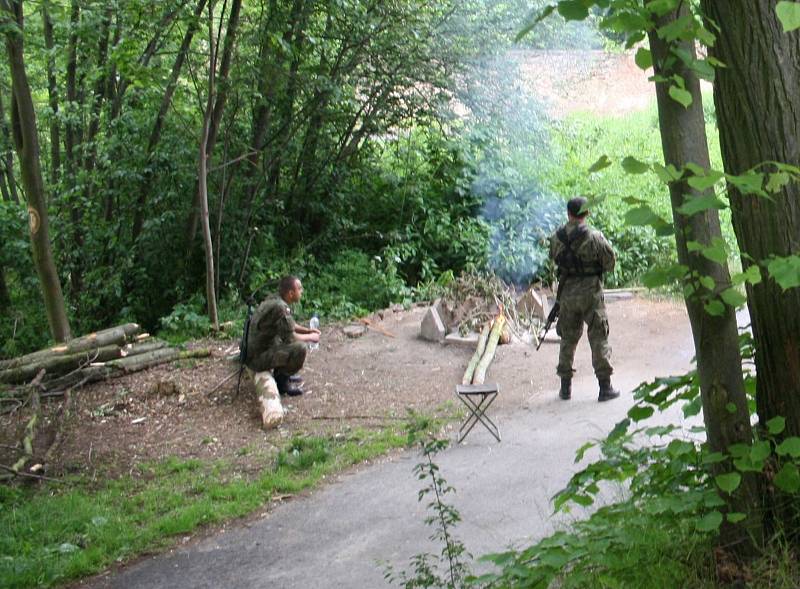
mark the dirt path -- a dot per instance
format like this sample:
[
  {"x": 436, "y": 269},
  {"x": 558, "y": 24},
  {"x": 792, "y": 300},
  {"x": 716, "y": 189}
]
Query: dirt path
[{"x": 335, "y": 537}]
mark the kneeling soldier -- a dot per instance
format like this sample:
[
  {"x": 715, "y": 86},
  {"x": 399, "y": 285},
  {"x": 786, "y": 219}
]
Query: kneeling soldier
[{"x": 275, "y": 342}]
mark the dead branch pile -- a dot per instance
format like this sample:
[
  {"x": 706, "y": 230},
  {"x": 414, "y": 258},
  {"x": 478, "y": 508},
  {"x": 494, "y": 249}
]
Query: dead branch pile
[{"x": 473, "y": 299}]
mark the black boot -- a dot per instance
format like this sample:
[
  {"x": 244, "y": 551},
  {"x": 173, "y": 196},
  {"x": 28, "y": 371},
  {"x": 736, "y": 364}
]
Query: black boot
[
  {"x": 285, "y": 387},
  {"x": 566, "y": 389},
  {"x": 607, "y": 392}
]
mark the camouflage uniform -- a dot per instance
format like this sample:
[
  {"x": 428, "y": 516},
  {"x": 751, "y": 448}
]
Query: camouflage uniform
[
  {"x": 271, "y": 343},
  {"x": 581, "y": 297}
]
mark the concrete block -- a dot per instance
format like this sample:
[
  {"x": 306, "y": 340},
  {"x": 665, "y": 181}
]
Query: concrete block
[
  {"x": 432, "y": 328},
  {"x": 532, "y": 303},
  {"x": 468, "y": 341}
]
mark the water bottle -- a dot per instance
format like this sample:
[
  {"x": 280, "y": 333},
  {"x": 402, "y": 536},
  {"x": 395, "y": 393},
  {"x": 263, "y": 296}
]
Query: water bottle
[{"x": 313, "y": 324}]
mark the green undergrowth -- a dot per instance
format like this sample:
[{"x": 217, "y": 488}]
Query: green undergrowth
[{"x": 59, "y": 532}]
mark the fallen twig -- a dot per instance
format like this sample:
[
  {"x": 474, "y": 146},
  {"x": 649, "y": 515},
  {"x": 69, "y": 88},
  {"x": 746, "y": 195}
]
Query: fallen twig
[
  {"x": 223, "y": 381},
  {"x": 377, "y": 328},
  {"x": 18, "y": 473}
]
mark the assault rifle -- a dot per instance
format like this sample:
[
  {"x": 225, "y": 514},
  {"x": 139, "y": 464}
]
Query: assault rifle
[{"x": 552, "y": 316}]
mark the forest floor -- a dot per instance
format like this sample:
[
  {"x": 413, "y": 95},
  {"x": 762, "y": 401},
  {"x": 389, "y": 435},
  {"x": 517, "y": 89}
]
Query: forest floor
[{"x": 116, "y": 426}]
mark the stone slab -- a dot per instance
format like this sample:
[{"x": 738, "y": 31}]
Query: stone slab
[{"x": 432, "y": 327}]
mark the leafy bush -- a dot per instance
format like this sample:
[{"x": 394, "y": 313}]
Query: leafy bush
[
  {"x": 187, "y": 320},
  {"x": 352, "y": 284}
]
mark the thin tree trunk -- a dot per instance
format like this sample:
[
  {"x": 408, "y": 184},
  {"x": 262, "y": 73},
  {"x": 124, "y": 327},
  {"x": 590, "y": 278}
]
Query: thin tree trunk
[
  {"x": 52, "y": 92},
  {"x": 9, "y": 183},
  {"x": 101, "y": 90},
  {"x": 203, "y": 176},
  {"x": 26, "y": 141},
  {"x": 155, "y": 133},
  {"x": 222, "y": 82},
  {"x": 5, "y": 298},
  {"x": 716, "y": 340},
  {"x": 73, "y": 140}
]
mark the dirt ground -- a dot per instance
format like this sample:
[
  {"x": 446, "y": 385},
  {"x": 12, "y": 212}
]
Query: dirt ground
[{"x": 369, "y": 381}]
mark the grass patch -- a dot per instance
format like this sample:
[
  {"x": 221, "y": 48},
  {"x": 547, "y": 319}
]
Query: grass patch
[{"x": 58, "y": 533}]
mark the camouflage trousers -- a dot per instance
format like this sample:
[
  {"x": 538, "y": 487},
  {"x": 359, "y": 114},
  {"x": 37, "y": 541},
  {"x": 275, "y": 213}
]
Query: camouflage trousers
[
  {"x": 583, "y": 303},
  {"x": 284, "y": 359}
]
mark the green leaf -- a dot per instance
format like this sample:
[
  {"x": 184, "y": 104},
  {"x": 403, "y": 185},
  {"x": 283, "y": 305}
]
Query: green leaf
[
  {"x": 785, "y": 271},
  {"x": 777, "y": 181},
  {"x": 736, "y": 517},
  {"x": 573, "y": 10},
  {"x": 733, "y": 298},
  {"x": 790, "y": 447},
  {"x": 675, "y": 29},
  {"x": 661, "y": 276},
  {"x": 710, "y": 522},
  {"x": 760, "y": 451},
  {"x": 634, "y": 166},
  {"x": 642, "y": 215},
  {"x": 715, "y": 308},
  {"x": 602, "y": 163},
  {"x": 696, "y": 204},
  {"x": 776, "y": 425},
  {"x": 728, "y": 482},
  {"x": 680, "y": 96},
  {"x": 637, "y": 413},
  {"x": 533, "y": 21},
  {"x": 750, "y": 183},
  {"x": 788, "y": 478},
  {"x": 717, "y": 251},
  {"x": 644, "y": 59},
  {"x": 707, "y": 282},
  {"x": 703, "y": 182},
  {"x": 751, "y": 275},
  {"x": 789, "y": 15},
  {"x": 667, "y": 174}
]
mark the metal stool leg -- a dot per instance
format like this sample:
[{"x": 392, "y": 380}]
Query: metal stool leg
[{"x": 477, "y": 413}]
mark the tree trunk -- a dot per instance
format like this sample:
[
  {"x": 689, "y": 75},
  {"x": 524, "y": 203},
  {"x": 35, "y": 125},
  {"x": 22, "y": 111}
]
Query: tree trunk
[
  {"x": 716, "y": 341},
  {"x": 59, "y": 365},
  {"x": 5, "y": 298},
  {"x": 72, "y": 141},
  {"x": 756, "y": 101},
  {"x": 166, "y": 101},
  {"x": 202, "y": 189},
  {"x": 9, "y": 183},
  {"x": 26, "y": 141},
  {"x": 52, "y": 93},
  {"x": 221, "y": 82}
]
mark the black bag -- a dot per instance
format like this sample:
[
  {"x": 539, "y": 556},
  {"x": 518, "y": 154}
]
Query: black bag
[{"x": 243, "y": 345}]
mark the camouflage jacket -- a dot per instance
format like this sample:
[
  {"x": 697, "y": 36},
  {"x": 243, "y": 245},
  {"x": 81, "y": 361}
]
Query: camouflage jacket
[
  {"x": 271, "y": 325},
  {"x": 592, "y": 250}
]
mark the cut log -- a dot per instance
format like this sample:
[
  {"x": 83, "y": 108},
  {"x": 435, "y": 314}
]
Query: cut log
[
  {"x": 476, "y": 357},
  {"x": 107, "y": 337},
  {"x": 491, "y": 347},
  {"x": 122, "y": 366},
  {"x": 269, "y": 399},
  {"x": 142, "y": 348},
  {"x": 154, "y": 358},
  {"x": 59, "y": 364}
]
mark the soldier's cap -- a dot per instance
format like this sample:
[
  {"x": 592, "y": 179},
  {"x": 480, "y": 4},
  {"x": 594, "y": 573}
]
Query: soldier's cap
[{"x": 578, "y": 206}]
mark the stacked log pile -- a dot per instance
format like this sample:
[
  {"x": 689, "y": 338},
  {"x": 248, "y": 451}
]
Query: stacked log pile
[{"x": 97, "y": 356}]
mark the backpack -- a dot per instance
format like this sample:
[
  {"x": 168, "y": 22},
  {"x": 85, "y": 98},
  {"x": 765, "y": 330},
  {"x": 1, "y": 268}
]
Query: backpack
[{"x": 243, "y": 345}]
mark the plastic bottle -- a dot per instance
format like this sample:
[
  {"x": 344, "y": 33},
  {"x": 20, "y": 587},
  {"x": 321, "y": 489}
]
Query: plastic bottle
[{"x": 313, "y": 324}]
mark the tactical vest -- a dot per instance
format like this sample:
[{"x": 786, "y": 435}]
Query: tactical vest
[{"x": 568, "y": 261}]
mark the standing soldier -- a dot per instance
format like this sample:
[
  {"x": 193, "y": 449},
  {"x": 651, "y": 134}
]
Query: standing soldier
[
  {"x": 582, "y": 256},
  {"x": 275, "y": 342}
]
